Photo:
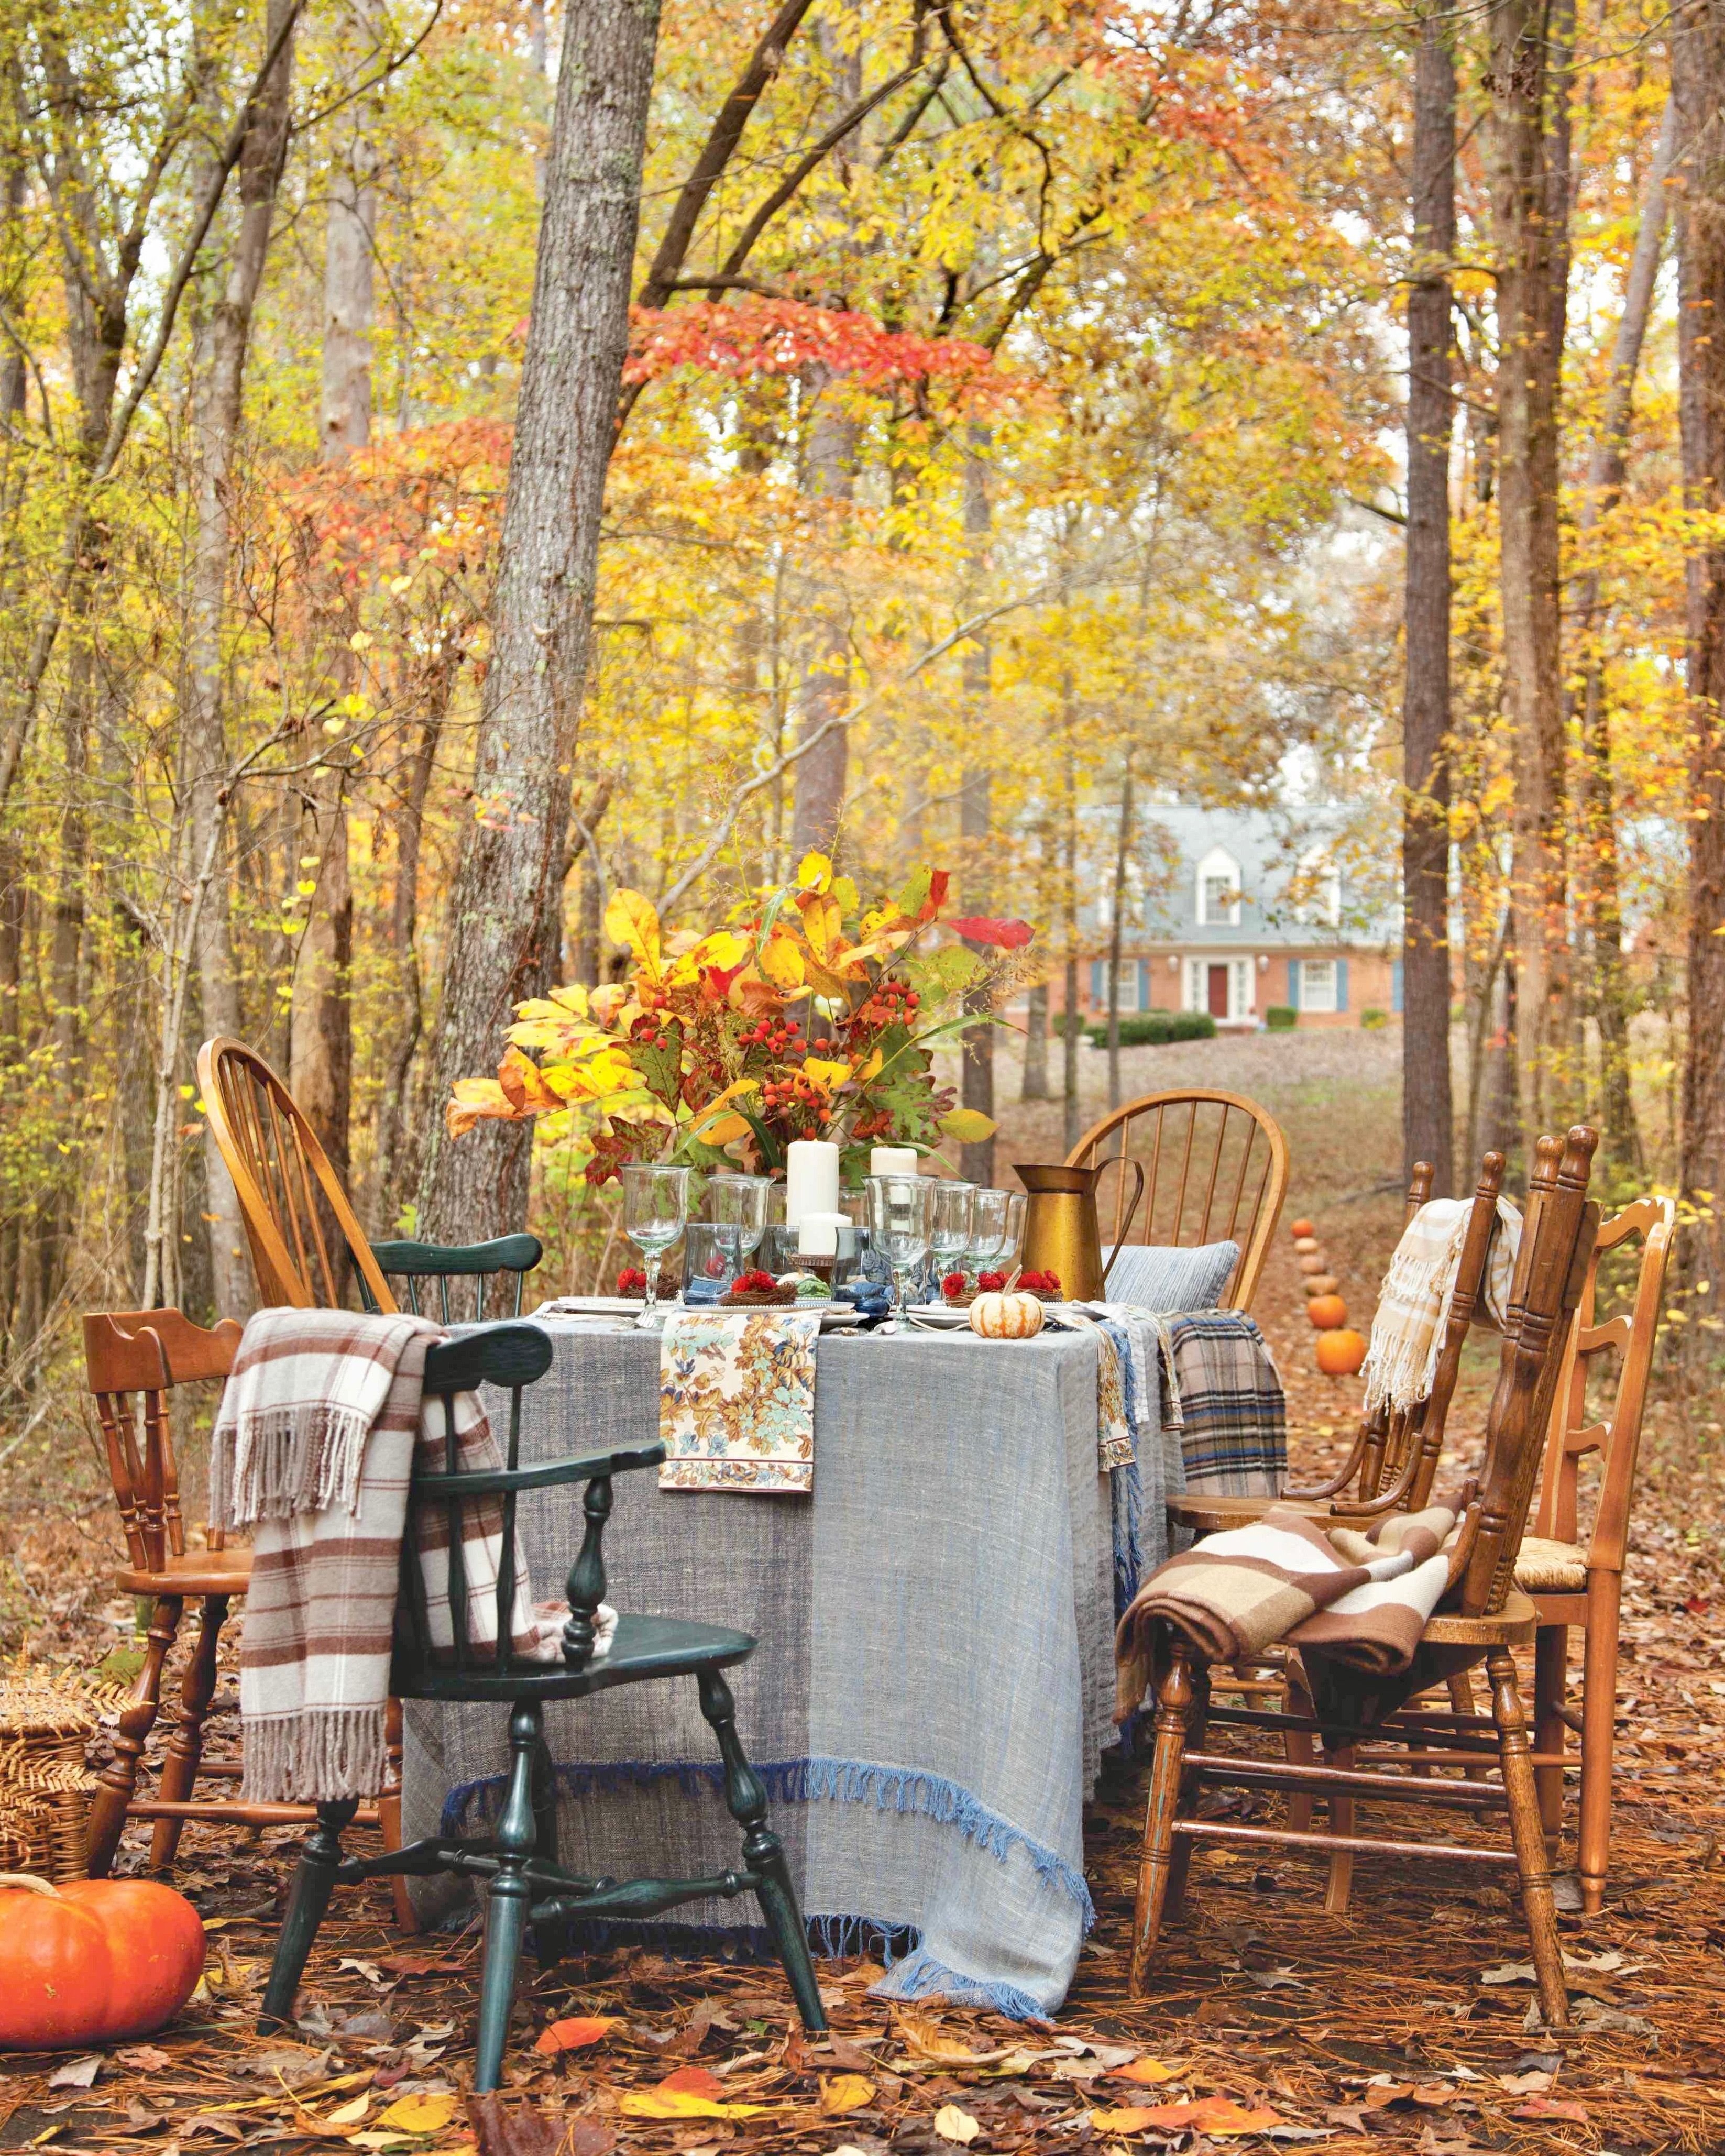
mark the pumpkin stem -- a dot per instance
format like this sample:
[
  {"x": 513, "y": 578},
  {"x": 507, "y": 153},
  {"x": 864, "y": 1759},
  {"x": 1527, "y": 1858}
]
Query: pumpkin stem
[{"x": 29, "y": 1879}]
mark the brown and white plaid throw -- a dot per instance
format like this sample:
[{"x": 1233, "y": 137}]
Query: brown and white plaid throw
[
  {"x": 314, "y": 1448},
  {"x": 1414, "y": 1303},
  {"x": 1363, "y": 1598}
]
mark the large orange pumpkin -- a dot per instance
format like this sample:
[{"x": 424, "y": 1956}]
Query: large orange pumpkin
[
  {"x": 1341, "y": 1353},
  {"x": 1302, "y": 1228},
  {"x": 93, "y": 1963},
  {"x": 1326, "y": 1311}
]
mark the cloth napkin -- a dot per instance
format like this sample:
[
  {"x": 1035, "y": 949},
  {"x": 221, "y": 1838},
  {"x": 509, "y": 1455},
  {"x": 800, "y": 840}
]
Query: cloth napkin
[
  {"x": 1413, "y": 1307},
  {"x": 736, "y": 1400},
  {"x": 1362, "y": 1599},
  {"x": 314, "y": 1447}
]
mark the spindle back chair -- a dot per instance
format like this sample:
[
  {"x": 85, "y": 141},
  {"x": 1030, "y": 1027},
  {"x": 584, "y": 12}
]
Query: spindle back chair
[
  {"x": 1216, "y": 1170},
  {"x": 1487, "y": 1617},
  {"x": 525, "y": 1884},
  {"x": 133, "y": 1358}
]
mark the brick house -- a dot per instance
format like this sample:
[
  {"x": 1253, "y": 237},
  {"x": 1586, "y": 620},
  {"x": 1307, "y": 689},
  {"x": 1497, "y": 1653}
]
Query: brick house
[{"x": 1237, "y": 911}]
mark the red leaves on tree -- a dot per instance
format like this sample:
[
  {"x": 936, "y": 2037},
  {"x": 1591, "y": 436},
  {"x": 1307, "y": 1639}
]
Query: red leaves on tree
[
  {"x": 1002, "y": 935},
  {"x": 781, "y": 337}
]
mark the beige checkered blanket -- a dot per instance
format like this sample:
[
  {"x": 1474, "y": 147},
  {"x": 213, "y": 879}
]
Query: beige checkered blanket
[
  {"x": 1363, "y": 1598},
  {"x": 314, "y": 1448},
  {"x": 1413, "y": 1307}
]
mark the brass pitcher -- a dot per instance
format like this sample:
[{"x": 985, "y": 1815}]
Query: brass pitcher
[{"x": 1061, "y": 1232}]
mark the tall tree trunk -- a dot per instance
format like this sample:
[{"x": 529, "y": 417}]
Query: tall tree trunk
[
  {"x": 828, "y": 474},
  {"x": 226, "y": 340},
  {"x": 1071, "y": 1033},
  {"x": 1034, "y": 1084},
  {"x": 1606, "y": 466},
  {"x": 1698, "y": 48},
  {"x": 396, "y": 1174},
  {"x": 1428, "y": 1113},
  {"x": 1527, "y": 143},
  {"x": 1117, "y": 929},
  {"x": 975, "y": 818},
  {"x": 506, "y": 908}
]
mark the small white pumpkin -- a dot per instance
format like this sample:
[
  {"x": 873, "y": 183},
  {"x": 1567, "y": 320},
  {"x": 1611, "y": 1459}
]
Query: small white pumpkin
[{"x": 1006, "y": 1316}]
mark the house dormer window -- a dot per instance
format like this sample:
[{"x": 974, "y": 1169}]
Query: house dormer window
[
  {"x": 1319, "y": 887},
  {"x": 1217, "y": 890}
]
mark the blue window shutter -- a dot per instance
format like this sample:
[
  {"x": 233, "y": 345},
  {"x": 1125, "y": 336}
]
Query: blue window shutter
[
  {"x": 1098, "y": 984},
  {"x": 1341, "y": 984},
  {"x": 1143, "y": 984},
  {"x": 1395, "y": 986},
  {"x": 1293, "y": 984}
]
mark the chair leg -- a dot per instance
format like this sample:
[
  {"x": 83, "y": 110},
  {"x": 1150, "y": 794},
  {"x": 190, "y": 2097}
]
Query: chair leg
[
  {"x": 507, "y": 1899},
  {"x": 1539, "y": 1909},
  {"x": 1598, "y": 1717},
  {"x": 1173, "y": 1707},
  {"x": 1300, "y": 1750},
  {"x": 1460, "y": 1687},
  {"x": 313, "y": 1882},
  {"x": 1180, "y": 1856},
  {"x": 1551, "y": 1662},
  {"x": 549, "y": 1940},
  {"x": 185, "y": 1748},
  {"x": 137, "y": 1718},
  {"x": 1339, "y": 1891},
  {"x": 407, "y": 1917},
  {"x": 763, "y": 1851}
]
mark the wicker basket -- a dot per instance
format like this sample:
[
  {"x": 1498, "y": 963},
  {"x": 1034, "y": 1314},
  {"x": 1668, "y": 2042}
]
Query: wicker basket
[
  {"x": 46, "y": 1784},
  {"x": 783, "y": 1298}
]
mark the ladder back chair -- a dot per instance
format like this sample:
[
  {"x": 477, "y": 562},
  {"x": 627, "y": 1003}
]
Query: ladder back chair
[
  {"x": 525, "y": 1885},
  {"x": 305, "y": 1239},
  {"x": 1488, "y": 1618},
  {"x": 132, "y": 1360},
  {"x": 1216, "y": 1170}
]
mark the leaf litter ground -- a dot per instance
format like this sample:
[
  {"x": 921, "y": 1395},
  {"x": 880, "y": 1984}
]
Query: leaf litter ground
[{"x": 1404, "y": 2027}]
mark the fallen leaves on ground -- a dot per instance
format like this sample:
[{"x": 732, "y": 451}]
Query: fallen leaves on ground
[
  {"x": 844, "y": 2092},
  {"x": 954, "y": 2124},
  {"x": 691, "y": 2093},
  {"x": 1207, "y": 2114},
  {"x": 576, "y": 2033}
]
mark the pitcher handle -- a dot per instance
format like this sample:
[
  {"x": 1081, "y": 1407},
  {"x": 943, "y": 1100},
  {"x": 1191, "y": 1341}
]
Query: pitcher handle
[{"x": 1137, "y": 1168}]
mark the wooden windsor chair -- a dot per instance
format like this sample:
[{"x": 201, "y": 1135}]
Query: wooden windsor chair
[
  {"x": 524, "y": 1883},
  {"x": 132, "y": 1360},
  {"x": 1216, "y": 1170},
  {"x": 1491, "y": 1618},
  {"x": 1393, "y": 1459}
]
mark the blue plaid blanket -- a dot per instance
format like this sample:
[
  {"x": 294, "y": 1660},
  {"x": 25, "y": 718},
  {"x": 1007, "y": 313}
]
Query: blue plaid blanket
[{"x": 1226, "y": 1399}]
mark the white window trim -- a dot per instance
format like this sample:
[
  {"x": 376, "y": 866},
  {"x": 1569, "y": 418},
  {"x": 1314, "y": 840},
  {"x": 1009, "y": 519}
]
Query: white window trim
[
  {"x": 1128, "y": 1005},
  {"x": 1218, "y": 865},
  {"x": 1310, "y": 995}
]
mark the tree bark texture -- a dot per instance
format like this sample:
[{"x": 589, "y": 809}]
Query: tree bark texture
[
  {"x": 1528, "y": 155},
  {"x": 1697, "y": 49},
  {"x": 225, "y": 339},
  {"x": 1428, "y": 1111},
  {"x": 1116, "y": 931},
  {"x": 828, "y": 474},
  {"x": 1606, "y": 466},
  {"x": 975, "y": 818},
  {"x": 506, "y": 905}
]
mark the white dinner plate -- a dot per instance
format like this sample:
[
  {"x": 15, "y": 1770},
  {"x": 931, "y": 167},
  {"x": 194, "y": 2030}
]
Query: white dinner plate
[
  {"x": 941, "y": 1314},
  {"x": 832, "y": 1314}
]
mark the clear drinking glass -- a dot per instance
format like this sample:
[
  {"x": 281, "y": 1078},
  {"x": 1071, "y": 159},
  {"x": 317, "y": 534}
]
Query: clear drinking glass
[
  {"x": 1012, "y": 1242},
  {"x": 901, "y": 1225},
  {"x": 655, "y": 1204},
  {"x": 954, "y": 1217},
  {"x": 987, "y": 1230},
  {"x": 738, "y": 1207}
]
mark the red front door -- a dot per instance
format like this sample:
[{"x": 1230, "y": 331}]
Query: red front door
[{"x": 1219, "y": 992}]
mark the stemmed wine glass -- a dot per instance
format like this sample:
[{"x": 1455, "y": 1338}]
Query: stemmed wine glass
[
  {"x": 1012, "y": 1238},
  {"x": 738, "y": 1205},
  {"x": 901, "y": 1226},
  {"x": 988, "y": 1233},
  {"x": 655, "y": 1204},
  {"x": 954, "y": 1213}
]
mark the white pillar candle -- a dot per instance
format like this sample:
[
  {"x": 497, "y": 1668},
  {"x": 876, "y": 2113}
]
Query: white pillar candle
[
  {"x": 811, "y": 1183},
  {"x": 894, "y": 1160},
  {"x": 818, "y": 1235}
]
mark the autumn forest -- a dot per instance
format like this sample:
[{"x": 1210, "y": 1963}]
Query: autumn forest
[{"x": 434, "y": 496}]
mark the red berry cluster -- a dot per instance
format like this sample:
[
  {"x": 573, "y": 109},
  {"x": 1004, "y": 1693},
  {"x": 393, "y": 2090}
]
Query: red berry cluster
[
  {"x": 647, "y": 1031},
  {"x": 991, "y": 1283},
  {"x": 952, "y": 1284},
  {"x": 892, "y": 1003},
  {"x": 755, "y": 1282},
  {"x": 631, "y": 1281},
  {"x": 779, "y": 1094},
  {"x": 770, "y": 1033},
  {"x": 1039, "y": 1283}
]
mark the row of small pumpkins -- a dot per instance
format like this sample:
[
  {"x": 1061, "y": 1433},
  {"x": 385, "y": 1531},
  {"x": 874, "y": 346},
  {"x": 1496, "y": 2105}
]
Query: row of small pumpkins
[
  {"x": 1340, "y": 1350},
  {"x": 99, "y": 1961}
]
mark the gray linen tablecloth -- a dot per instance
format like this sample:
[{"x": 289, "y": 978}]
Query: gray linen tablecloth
[{"x": 933, "y": 1687}]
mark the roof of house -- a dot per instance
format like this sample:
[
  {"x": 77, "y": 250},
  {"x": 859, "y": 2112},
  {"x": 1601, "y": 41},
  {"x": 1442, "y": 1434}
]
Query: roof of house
[{"x": 1305, "y": 877}]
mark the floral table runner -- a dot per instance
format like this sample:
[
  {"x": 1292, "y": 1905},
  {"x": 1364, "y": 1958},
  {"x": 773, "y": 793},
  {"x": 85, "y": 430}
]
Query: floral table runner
[{"x": 736, "y": 1400}]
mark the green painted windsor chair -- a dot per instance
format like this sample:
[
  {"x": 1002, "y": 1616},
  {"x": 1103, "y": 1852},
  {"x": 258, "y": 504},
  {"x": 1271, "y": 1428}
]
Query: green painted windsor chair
[{"x": 524, "y": 1884}]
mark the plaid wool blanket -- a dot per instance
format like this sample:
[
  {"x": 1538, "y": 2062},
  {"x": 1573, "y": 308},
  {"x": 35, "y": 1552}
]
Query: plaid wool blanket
[
  {"x": 1226, "y": 1399},
  {"x": 1407, "y": 1330},
  {"x": 314, "y": 1448},
  {"x": 1362, "y": 1599}
]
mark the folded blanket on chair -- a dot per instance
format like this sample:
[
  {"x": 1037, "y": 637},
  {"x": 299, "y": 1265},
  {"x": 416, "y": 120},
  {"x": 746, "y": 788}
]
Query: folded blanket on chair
[
  {"x": 1363, "y": 1598},
  {"x": 314, "y": 1448},
  {"x": 1413, "y": 1307}
]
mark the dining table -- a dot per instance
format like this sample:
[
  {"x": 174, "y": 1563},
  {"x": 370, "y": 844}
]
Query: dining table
[{"x": 933, "y": 1697}]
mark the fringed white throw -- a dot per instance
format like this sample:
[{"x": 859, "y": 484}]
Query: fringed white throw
[
  {"x": 1414, "y": 1308},
  {"x": 314, "y": 1449}
]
